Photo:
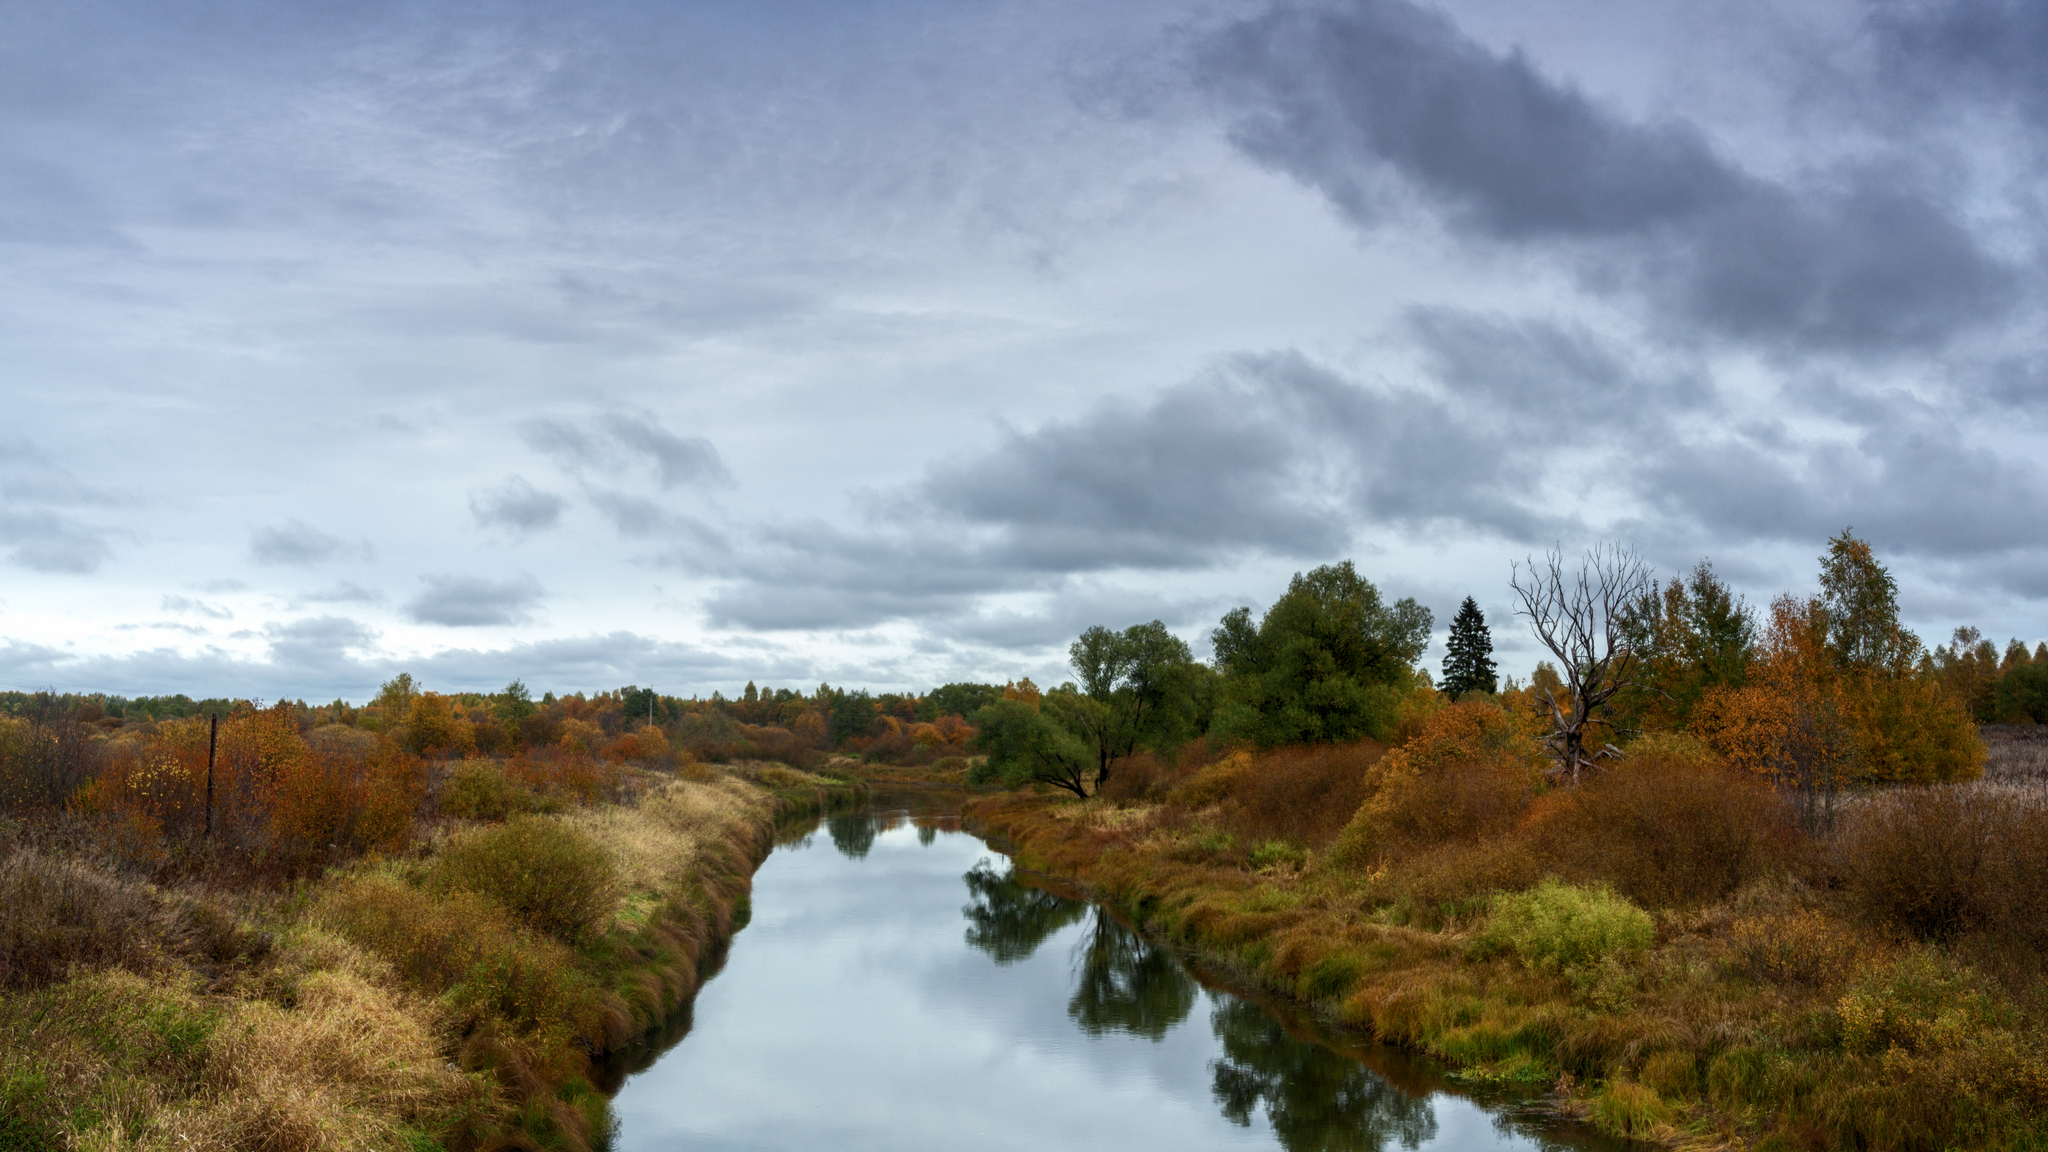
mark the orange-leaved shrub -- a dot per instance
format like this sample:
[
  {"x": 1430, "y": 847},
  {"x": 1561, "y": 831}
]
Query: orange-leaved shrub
[
  {"x": 1303, "y": 794},
  {"x": 1467, "y": 772},
  {"x": 1669, "y": 824}
]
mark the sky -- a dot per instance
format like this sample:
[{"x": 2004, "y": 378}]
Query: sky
[{"x": 889, "y": 343}]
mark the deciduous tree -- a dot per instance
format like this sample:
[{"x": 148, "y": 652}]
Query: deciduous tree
[{"x": 1326, "y": 664}]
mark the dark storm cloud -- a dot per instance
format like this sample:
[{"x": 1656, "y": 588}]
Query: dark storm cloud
[
  {"x": 1515, "y": 429},
  {"x": 1982, "y": 49},
  {"x": 1354, "y": 98},
  {"x": 297, "y": 543},
  {"x": 474, "y": 601},
  {"x": 619, "y": 442},
  {"x": 517, "y": 506},
  {"x": 1271, "y": 456}
]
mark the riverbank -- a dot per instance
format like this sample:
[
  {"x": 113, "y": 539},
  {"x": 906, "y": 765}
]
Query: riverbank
[
  {"x": 449, "y": 998},
  {"x": 1750, "y": 1006}
]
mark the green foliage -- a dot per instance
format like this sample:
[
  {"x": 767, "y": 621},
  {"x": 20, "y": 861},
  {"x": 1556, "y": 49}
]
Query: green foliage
[
  {"x": 480, "y": 790},
  {"x": 1326, "y": 664},
  {"x": 1468, "y": 663},
  {"x": 2021, "y": 695},
  {"x": 1861, "y": 602},
  {"x": 852, "y": 714},
  {"x": 515, "y": 703},
  {"x": 548, "y": 875},
  {"x": 1693, "y": 636},
  {"x": 1140, "y": 687},
  {"x": 1027, "y": 744},
  {"x": 1558, "y": 926},
  {"x": 961, "y": 699}
]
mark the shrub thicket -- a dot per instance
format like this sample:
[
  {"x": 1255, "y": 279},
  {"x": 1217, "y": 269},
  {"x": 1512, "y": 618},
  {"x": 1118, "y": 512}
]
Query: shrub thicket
[
  {"x": 1557, "y": 926},
  {"x": 542, "y": 872}
]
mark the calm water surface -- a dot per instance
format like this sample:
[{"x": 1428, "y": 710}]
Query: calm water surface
[{"x": 899, "y": 989}]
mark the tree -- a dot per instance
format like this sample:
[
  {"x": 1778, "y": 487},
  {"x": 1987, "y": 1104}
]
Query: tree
[
  {"x": 1694, "y": 635},
  {"x": 1580, "y": 617},
  {"x": 515, "y": 703},
  {"x": 1861, "y": 602},
  {"x": 1468, "y": 663},
  {"x": 1141, "y": 678},
  {"x": 959, "y": 699},
  {"x": 1327, "y": 663},
  {"x": 1025, "y": 744}
]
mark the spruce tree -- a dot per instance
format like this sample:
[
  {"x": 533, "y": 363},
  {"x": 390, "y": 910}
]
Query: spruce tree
[{"x": 1469, "y": 663}]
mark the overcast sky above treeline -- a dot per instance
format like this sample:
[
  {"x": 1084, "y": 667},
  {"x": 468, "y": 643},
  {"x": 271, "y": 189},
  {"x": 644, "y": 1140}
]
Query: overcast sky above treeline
[{"x": 891, "y": 343}]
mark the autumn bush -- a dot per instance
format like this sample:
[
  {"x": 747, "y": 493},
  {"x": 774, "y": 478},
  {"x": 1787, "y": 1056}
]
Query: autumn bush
[
  {"x": 1943, "y": 860},
  {"x": 1668, "y": 825},
  {"x": 1465, "y": 772},
  {"x": 542, "y": 872},
  {"x": 1303, "y": 794},
  {"x": 485, "y": 790}
]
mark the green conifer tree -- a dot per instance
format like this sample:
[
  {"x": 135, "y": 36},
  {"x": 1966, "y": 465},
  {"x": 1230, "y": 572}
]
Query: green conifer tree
[{"x": 1469, "y": 663}]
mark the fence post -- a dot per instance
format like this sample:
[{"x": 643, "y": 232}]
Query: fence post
[{"x": 212, "y": 742}]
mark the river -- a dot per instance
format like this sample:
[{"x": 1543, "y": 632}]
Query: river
[{"x": 898, "y": 988}]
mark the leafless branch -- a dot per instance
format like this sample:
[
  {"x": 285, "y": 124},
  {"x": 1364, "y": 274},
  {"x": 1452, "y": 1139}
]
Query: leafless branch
[{"x": 1578, "y": 617}]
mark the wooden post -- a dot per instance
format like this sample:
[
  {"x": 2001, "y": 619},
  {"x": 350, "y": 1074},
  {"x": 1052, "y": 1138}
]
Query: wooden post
[{"x": 212, "y": 742}]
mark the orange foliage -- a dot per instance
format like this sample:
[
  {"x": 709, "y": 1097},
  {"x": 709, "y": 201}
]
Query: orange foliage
[
  {"x": 275, "y": 799},
  {"x": 1803, "y": 721}
]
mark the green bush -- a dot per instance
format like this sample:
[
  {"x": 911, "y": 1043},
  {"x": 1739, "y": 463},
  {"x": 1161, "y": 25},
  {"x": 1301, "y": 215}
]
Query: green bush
[
  {"x": 480, "y": 790},
  {"x": 546, "y": 874},
  {"x": 1557, "y": 926}
]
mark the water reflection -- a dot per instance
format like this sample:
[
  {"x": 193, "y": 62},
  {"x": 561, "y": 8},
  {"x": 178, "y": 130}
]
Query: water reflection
[
  {"x": 1010, "y": 919},
  {"x": 1316, "y": 1100},
  {"x": 1126, "y": 983},
  {"x": 851, "y": 1017},
  {"x": 852, "y": 833}
]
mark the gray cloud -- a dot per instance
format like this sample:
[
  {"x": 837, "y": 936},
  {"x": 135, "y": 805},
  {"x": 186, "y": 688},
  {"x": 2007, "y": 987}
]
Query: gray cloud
[
  {"x": 196, "y": 608},
  {"x": 328, "y": 656},
  {"x": 39, "y": 502},
  {"x": 1981, "y": 49},
  {"x": 517, "y": 506},
  {"x": 1355, "y": 97},
  {"x": 343, "y": 592},
  {"x": 299, "y": 544},
  {"x": 618, "y": 442},
  {"x": 474, "y": 601}
]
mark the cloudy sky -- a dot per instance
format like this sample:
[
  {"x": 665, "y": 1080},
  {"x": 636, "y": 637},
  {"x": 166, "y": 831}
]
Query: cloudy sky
[{"x": 891, "y": 342}]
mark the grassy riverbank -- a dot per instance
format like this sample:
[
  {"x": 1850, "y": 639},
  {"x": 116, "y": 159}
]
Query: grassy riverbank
[
  {"x": 450, "y": 997},
  {"x": 1666, "y": 949}
]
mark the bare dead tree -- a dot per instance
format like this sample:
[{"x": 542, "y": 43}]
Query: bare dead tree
[{"x": 1579, "y": 616}]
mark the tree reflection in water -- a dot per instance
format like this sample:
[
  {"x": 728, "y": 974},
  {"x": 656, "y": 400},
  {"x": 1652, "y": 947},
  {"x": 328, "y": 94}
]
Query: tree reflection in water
[
  {"x": 852, "y": 834},
  {"x": 1009, "y": 919},
  {"x": 1316, "y": 1099},
  {"x": 1128, "y": 984}
]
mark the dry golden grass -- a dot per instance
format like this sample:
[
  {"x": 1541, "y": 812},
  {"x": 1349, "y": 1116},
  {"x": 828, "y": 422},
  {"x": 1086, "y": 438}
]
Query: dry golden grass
[{"x": 388, "y": 1006}]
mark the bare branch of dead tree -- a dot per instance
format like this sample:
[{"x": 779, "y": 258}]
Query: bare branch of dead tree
[{"x": 1579, "y": 617}]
